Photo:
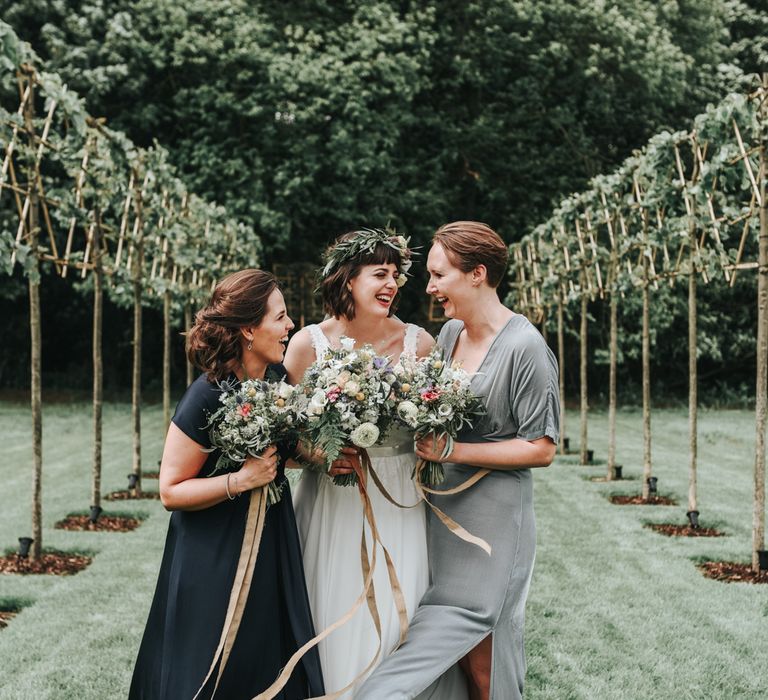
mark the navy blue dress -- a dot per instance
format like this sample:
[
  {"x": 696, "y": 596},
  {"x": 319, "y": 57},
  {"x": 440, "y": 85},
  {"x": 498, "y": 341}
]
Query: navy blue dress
[{"x": 193, "y": 588}]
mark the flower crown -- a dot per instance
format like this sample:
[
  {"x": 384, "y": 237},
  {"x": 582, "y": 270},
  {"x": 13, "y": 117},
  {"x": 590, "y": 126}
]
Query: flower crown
[{"x": 364, "y": 242}]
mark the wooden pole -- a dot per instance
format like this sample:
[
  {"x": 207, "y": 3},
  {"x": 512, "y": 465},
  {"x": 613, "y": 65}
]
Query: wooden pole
[
  {"x": 187, "y": 326},
  {"x": 761, "y": 397},
  {"x": 136, "y": 273},
  {"x": 613, "y": 352},
  {"x": 561, "y": 363},
  {"x": 583, "y": 373},
  {"x": 647, "y": 468},
  {"x": 166, "y": 359},
  {"x": 98, "y": 366},
  {"x": 692, "y": 372},
  {"x": 33, "y": 277}
]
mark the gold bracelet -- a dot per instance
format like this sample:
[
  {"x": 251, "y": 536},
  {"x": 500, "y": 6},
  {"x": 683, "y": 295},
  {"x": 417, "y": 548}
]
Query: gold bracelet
[{"x": 229, "y": 495}]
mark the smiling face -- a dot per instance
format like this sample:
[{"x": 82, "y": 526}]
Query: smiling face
[
  {"x": 374, "y": 288},
  {"x": 271, "y": 336},
  {"x": 452, "y": 288}
]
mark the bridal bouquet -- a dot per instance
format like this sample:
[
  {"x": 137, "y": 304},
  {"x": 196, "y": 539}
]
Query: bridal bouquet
[
  {"x": 434, "y": 397},
  {"x": 349, "y": 402},
  {"x": 254, "y": 415}
]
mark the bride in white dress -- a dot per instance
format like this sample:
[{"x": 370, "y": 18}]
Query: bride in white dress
[{"x": 360, "y": 283}]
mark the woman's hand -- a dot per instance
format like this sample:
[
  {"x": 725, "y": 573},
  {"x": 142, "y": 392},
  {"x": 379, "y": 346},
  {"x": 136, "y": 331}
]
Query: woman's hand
[
  {"x": 346, "y": 462},
  {"x": 258, "y": 471},
  {"x": 430, "y": 448}
]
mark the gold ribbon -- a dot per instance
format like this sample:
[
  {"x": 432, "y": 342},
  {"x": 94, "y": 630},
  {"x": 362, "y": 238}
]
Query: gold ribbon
[
  {"x": 444, "y": 518},
  {"x": 254, "y": 527},
  {"x": 368, "y": 595}
]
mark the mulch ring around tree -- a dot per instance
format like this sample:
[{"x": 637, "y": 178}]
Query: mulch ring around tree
[
  {"x": 731, "y": 572},
  {"x": 628, "y": 500},
  {"x": 675, "y": 530},
  {"x": 6, "y": 616},
  {"x": 57, "y": 563},
  {"x": 150, "y": 475},
  {"x": 131, "y": 496},
  {"x": 105, "y": 523}
]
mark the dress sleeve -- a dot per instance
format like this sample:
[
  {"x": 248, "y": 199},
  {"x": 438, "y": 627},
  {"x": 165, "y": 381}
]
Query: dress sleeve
[
  {"x": 195, "y": 408},
  {"x": 534, "y": 394}
]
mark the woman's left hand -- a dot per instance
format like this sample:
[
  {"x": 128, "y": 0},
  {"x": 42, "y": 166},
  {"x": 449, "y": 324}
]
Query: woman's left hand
[{"x": 430, "y": 448}]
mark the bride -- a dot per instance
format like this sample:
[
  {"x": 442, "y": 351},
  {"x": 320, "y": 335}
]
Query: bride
[{"x": 363, "y": 273}]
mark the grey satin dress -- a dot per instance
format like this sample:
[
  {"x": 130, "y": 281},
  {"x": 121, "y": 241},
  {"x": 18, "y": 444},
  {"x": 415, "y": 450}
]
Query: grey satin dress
[{"x": 472, "y": 594}]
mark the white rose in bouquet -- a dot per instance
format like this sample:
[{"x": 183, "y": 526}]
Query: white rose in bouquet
[
  {"x": 365, "y": 435},
  {"x": 408, "y": 411}
]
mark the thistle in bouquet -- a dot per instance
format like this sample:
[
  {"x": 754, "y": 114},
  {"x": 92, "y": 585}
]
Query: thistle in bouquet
[
  {"x": 349, "y": 394},
  {"x": 434, "y": 397},
  {"x": 254, "y": 415}
]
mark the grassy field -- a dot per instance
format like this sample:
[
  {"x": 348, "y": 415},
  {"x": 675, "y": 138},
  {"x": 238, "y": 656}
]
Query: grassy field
[{"x": 615, "y": 611}]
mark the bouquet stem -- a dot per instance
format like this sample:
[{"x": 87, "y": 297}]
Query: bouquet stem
[
  {"x": 345, "y": 479},
  {"x": 432, "y": 473},
  {"x": 274, "y": 493}
]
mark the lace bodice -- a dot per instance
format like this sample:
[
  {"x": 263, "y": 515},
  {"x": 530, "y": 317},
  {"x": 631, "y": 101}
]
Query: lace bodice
[{"x": 321, "y": 343}]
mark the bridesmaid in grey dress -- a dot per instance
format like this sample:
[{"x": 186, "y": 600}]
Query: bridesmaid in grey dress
[{"x": 473, "y": 612}]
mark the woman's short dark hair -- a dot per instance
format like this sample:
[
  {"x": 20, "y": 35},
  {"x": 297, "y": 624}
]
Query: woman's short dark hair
[
  {"x": 238, "y": 301},
  {"x": 337, "y": 298},
  {"x": 471, "y": 243}
]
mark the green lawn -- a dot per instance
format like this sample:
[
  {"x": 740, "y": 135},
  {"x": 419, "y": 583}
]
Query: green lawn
[{"x": 615, "y": 611}]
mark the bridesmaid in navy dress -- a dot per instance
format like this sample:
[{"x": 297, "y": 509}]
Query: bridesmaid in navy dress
[{"x": 241, "y": 333}]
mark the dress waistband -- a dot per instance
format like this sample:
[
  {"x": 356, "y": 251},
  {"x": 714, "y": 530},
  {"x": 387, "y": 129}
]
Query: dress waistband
[{"x": 404, "y": 448}]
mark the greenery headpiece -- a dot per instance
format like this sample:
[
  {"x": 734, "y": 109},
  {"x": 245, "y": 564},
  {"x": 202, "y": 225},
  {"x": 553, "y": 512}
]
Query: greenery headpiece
[{"x": 364, "y": 242}]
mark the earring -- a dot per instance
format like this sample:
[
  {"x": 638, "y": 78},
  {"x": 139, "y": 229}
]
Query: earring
[{"x": 250, "y": 345}]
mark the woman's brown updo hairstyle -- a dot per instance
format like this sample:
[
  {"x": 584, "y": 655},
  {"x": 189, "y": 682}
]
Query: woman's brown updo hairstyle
[
  {"x": 337, "y": 298},
  {"x": 471, "y": 243},
  {"x": 238, "y": 301}
]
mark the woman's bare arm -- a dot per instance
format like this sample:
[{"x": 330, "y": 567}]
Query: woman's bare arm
[
  {"x": 502, "y": 455},
  {"x": 182, "y": 489}
]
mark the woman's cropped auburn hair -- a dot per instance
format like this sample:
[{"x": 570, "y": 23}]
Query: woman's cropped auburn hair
[{"x": 471, "y": 243}]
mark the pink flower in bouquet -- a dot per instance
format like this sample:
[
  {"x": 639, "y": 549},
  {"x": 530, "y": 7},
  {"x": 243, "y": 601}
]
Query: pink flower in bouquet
[
  {"x": 333, "y": 394},
  {"x": 244, "y": 409},
  {"x": 430, "y": 394}
]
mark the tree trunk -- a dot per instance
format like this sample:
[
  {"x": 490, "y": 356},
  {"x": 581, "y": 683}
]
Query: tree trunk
[
  {"x": 561, "y": 362},
  {"x": 36, "y": 398},
  {"x": 136, "y": 390},
  {"x": 544, "y": 331},
  {"x": 166, "y": 360},
  {"x": 758, "y": 511},
  {"x": 98, "y": 366},
  {"x": 583, "y": 377},
  {"x": 187, "y": 326},
  {"x": 646, "y": 381},
  {"x": 613, "y": 359},
  {"x": 692, "y": 374}
]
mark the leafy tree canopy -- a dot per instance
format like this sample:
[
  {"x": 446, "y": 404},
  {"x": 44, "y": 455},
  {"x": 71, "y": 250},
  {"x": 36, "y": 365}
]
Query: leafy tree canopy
[{"x": 309, "y": 118}]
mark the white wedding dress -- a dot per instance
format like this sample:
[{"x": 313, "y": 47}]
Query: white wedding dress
[{"x": 330, "y": 519}]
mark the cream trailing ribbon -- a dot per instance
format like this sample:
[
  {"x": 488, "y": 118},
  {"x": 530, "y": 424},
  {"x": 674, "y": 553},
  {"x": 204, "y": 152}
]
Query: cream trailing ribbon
[
  {"x": 368, "y": 594},
  {"x": 444, "y": 518},
  {"x": 254, "y": 526}
]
